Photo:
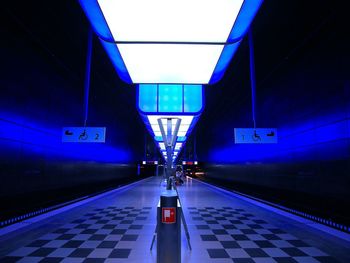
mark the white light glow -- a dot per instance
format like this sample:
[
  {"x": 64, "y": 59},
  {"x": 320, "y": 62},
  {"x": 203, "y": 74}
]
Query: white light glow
[
  {"x": 168, "y": 63},
  {"x": 178, "y": 146},
  {"x": 143, "y": 162},
  {"x": 183, "y": 162},
  {"x": 172, "y": 21},
  {"x": 195, "y": 162},
  {"x": 184, "y": 125},
  {"x": 165, "y": 20},
  {"x": 162, "y": 145}
]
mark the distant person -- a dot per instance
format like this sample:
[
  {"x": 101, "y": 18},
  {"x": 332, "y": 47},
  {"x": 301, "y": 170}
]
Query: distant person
[{"x": 179, "y": 176}]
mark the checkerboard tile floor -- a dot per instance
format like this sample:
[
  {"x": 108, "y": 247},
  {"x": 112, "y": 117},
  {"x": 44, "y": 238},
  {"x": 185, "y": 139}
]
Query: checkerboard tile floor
[
  {"x": 95, "y": 237},
  {"x": 242, "y": 237}
]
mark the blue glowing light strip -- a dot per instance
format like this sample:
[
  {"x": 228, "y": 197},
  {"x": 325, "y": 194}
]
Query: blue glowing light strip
[{"x": 99, "y": 24}]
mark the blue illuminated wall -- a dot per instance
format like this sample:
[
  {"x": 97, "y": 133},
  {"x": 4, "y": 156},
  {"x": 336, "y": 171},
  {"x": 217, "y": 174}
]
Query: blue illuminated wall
[
  {"x": 303, "y": 89},
  {"x": 41, "y": 90}
]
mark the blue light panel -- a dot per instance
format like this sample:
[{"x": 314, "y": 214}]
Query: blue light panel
[
  {"x": 98, "y": 22},
  {"x": 245, "y": 17},
  {"x": 148, "y": 98},
  {"x": 193, "y": 99},
  {"x": 175, "y": 101},
  {"x": 117, "y": 61},
  {"x": 170, "y": 98},
  {"x": 179, "y": 138},
  {"x": 224, "y": 60}
]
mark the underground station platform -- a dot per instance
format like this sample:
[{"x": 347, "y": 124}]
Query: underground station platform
[
  {"x": 169, "y": 131},
  {"x": 119, "y": 226}
]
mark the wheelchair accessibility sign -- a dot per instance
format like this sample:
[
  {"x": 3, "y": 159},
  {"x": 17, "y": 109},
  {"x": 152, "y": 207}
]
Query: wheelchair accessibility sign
[
  {"x": 84, "y": 134},
  {"x": 258, "y": 135}
]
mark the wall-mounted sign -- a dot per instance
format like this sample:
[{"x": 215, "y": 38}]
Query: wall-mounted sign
[
  {"x": 258, "y": 135},
  {"x": 84, "y": 134}
]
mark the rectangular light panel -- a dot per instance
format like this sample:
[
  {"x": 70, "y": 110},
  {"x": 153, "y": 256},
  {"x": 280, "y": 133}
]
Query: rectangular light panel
[
  {"x": 178, "y": 146},
  {"x": 172, "y": 21},
  {"x": 161, "y": 32},
  {"x": 184, "y": 125},
  {"x": 170, "y": 98},
  {"x": 165, "y": 20},
  {"x": 162, "y": 145},
  {"x": 170, "y": 63}
]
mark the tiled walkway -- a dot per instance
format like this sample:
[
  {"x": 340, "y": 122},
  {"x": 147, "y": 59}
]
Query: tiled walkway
[
  {"x": 242, "y": 237},
  {"x": 104, "y": 233},
  {"x": 119, "y": 228}
]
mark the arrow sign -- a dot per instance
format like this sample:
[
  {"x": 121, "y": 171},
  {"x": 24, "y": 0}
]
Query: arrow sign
[
  {"x": 258, "y": 135},
  {"x": 84, "y": 134}
]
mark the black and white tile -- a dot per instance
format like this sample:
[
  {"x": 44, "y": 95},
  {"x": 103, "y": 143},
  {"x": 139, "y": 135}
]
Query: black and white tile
[
  {"x": 239, "y": 236},
  {"x": 102, "y": 235}
]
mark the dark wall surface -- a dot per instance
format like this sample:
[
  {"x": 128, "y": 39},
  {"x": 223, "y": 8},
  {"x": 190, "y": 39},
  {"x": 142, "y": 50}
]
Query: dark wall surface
[
  {"x": 43, "y": 52},
  {"x": 303, "y": 89}
]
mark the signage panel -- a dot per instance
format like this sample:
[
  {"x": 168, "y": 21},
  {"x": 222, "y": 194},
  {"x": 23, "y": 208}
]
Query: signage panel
[
  {"x": 258, "y": 135},
  {"x": 84, "y": 134}
]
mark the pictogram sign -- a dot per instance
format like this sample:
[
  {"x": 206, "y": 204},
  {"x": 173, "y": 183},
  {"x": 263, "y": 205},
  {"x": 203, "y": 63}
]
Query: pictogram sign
[{"x": 168, "y": 215}]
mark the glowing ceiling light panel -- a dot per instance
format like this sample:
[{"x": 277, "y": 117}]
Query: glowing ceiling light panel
[
  {"x": 164, "y": 20},
  {"x": 162, "y": 145},
  {"x": 162, "y": 41},
  {"x": 158, "y": 103},
  {"x": 170, "y": 99},
  {"x": 184, "y": 102},
  {"x": 178, "y": 146},
  {"x": 179, "y": 138},
  {"x": 186, "y": 122},
  {"x": 170, "y": 63}
]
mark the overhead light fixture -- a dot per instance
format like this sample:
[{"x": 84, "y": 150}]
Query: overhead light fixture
[
  {"x": 183, "y": 41},
  {"x": 162, "y": 146},
  {"x": 178, "y": 146},
  {"x": 184, "y": 102},
  {"x": 162, "y": 102},
  {"x": 186, "y": 122}
]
